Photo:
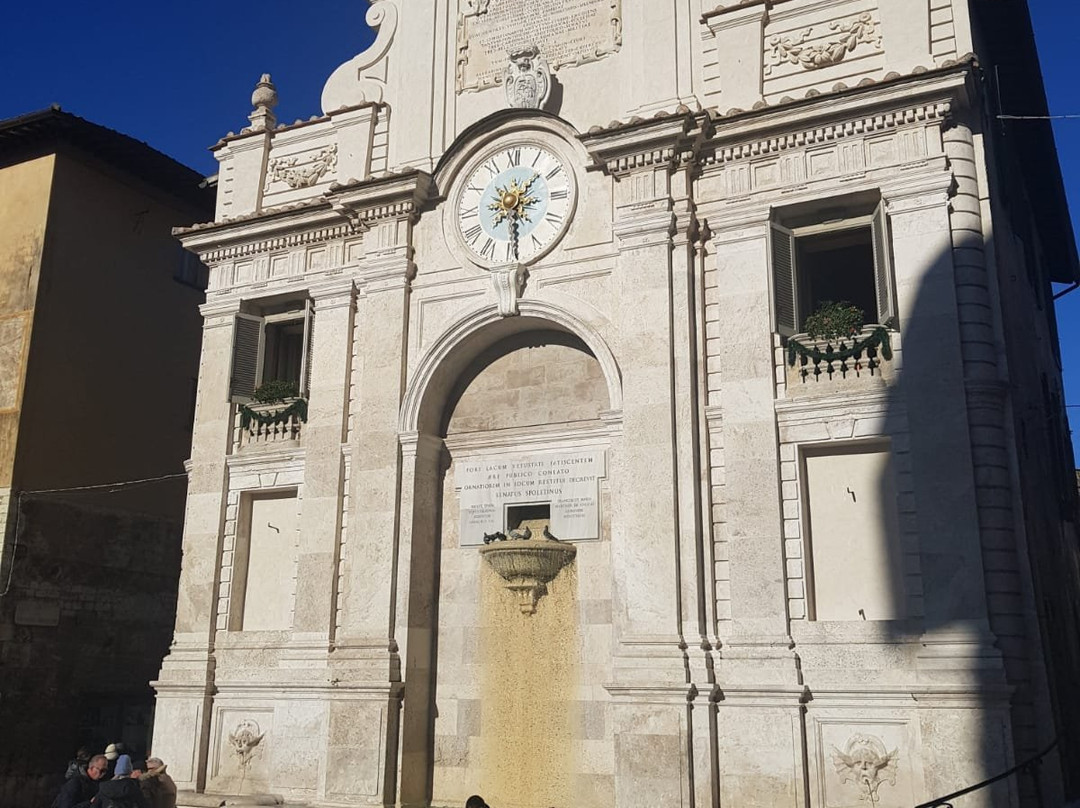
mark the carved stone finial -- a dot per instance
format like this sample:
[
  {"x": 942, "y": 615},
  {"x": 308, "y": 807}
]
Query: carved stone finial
[
  {"x": 527, "y": 80},
  {"x": 264, "y": 99}
]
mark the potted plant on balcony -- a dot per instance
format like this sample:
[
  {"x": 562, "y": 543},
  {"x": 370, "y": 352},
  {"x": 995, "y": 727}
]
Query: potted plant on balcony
[
  {"x": 840, "y": 326},
  {"x": 276, "y": 402}
]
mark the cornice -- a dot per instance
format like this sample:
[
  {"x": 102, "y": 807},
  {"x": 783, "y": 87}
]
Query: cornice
[
  {"x": 797, "y": 126},
  {"x": 388, "y": 197},
  {"x": 663, "y": 141}
]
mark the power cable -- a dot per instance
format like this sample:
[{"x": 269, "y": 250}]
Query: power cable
[{"x": 107, "y": 487}]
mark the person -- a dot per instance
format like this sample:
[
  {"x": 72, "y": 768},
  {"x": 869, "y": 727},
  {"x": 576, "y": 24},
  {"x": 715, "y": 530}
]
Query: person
[
  {"x": 476, "y": 801},
  {"x": 81, "y": 789},
  {"x": 123, "y": 790},
  {"x": 157, "y": 786},
  {"x": 82, "y": 758},
  {"x": 112, "y": 752},
  {"x": 122, "y": 767}
]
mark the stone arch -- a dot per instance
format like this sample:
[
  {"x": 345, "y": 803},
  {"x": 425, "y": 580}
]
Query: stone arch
[{"x": 478, "y": 330}]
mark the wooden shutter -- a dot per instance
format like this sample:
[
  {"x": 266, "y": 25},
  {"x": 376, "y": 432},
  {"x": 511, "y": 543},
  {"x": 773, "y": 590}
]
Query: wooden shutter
[
  {"x": 246, "y": 358},
  {"x": 785, "y": 306},
  {"x": 305, "y": 361},
  {"x": 883, "y": 276}
]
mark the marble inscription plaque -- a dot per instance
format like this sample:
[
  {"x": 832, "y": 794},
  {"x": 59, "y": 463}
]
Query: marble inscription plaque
[
  {"x": 568, "y": 481},
  {"x": 570, "y": 32}
]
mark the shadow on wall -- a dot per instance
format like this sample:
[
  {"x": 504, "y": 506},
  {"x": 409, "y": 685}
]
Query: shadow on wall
[
  {"x": 930, "y": 537},
  {"x": 83, "y": 630}
]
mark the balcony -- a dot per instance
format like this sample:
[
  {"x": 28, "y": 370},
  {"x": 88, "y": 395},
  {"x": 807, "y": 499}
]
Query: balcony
[
  {"x": 825, "y": 366},
  {"x": 271, "y": 424}
]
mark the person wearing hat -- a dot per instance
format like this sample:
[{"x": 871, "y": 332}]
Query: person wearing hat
[
  {"x": 157, "y": 786},
  {"x": 123, "y": 790},
  {"x": 112, "y": 752}
]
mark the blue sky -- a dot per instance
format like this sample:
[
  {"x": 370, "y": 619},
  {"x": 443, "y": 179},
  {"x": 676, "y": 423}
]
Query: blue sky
[{"x": 180, "y": 75}]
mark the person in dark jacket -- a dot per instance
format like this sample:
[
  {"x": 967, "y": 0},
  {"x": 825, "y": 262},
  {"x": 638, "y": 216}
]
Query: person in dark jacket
[
  {"x": 81, "y": 788},
  {"x": 79, "y": 764},
  {"x": 123, "y": 790}
]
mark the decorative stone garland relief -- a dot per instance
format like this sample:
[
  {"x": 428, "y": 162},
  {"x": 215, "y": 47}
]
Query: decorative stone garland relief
[
  {"x": 297, "y": 174},
  {"x": 568, "y": 33},
  {"x": 847, "y": 36}
]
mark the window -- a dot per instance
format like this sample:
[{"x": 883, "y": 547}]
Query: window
[
  {"x": 832, "y": 255},
  {"x": 271, "y": 346}
]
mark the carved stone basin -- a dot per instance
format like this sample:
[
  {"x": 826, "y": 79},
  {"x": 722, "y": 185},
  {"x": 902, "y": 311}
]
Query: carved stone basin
[{"x": 528, "y": 566}]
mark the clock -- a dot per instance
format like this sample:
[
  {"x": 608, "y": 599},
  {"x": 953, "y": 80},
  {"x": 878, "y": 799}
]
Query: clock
[{"x": 514, "y": 205}]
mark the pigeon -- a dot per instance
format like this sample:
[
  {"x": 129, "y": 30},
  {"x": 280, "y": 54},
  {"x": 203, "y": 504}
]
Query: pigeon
[
  {"x": 525, "y": 534},
  {"x": 547, "y": 534}
]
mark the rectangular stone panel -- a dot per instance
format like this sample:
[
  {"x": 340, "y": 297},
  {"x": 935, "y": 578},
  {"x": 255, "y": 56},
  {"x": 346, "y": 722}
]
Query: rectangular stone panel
[
  {"x": 570, "y": 32},
  {"x": 568, "y": 481}
]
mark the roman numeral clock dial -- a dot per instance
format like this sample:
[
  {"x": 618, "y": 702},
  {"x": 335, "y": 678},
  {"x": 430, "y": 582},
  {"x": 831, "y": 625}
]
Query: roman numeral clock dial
[{"x": 515, "y": 205}]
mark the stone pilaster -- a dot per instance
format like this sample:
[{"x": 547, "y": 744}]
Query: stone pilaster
[
  {"x": 986, "y": 393},
  {"x": 323, "y": 433},
  {"x": 656, "y": 534},
  {"x": 186, "y": 682},
  {"x": 760, "y": 721},
  {"x": 371, "y": 637}
]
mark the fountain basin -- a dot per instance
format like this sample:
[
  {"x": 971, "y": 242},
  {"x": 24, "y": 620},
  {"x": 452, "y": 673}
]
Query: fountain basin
[{"x": 528, "y": 566}]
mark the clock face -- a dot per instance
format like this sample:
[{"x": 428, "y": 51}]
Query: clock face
[{"x": 515, "y": 204}]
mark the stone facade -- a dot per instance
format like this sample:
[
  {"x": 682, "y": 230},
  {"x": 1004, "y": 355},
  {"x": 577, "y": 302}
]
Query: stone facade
[{"x": 812, "y": 578}]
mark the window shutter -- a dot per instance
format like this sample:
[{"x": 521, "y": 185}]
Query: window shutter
[
  {"x": 309, "y": 337},
  {"x": 785, "y": 311},
  {"x": 247, "y": 354},
  {"x": 883, "y": 277}
]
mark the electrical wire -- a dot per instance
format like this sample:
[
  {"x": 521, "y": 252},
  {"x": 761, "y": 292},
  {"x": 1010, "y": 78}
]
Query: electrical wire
[
  {"x": 1038, "y": 117},
  {"x": 107, "y": 487}
]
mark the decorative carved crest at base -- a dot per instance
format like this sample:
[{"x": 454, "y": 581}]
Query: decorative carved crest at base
[{"x": 509, "y": 283}]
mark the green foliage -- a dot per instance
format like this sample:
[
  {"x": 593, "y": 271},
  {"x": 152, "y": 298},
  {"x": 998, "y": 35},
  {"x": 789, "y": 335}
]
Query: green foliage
[
  {"x": 877, "y": 342},
  {"x": 297, "y": 407},
  {"x": 276, "y": 392},
  {"x": 831, "y": 321}
]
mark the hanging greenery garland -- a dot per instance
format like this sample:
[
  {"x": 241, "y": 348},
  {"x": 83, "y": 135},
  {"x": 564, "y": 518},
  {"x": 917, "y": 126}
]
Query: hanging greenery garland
[
  {"x": 877, "y": 341},
  {"x": 297, "y": 408}
]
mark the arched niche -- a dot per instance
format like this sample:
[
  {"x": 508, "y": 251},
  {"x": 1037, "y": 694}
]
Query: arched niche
[{"x": 538, "y": 382}]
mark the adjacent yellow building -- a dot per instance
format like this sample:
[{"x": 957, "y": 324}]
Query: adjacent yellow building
[{"x": 99, "y": 343}]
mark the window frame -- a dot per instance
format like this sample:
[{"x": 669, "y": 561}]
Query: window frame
[
  {"x": 786, "y": 284},
  {"x": 242, "y": 387}
]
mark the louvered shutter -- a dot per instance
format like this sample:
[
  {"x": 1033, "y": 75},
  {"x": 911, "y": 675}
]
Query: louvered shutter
[
  {"x": 309, "y": 339},
  {"x": 247, "y": 355},
  {"x": 883, "y": 276},
  {"x": 785, "y": 306}
]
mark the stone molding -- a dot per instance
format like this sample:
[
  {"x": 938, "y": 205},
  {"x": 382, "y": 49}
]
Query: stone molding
[
  {"x": 659, "y": 143},
  {"x": 472, "y": 322},
  {"x": 585, "y": 435}
]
